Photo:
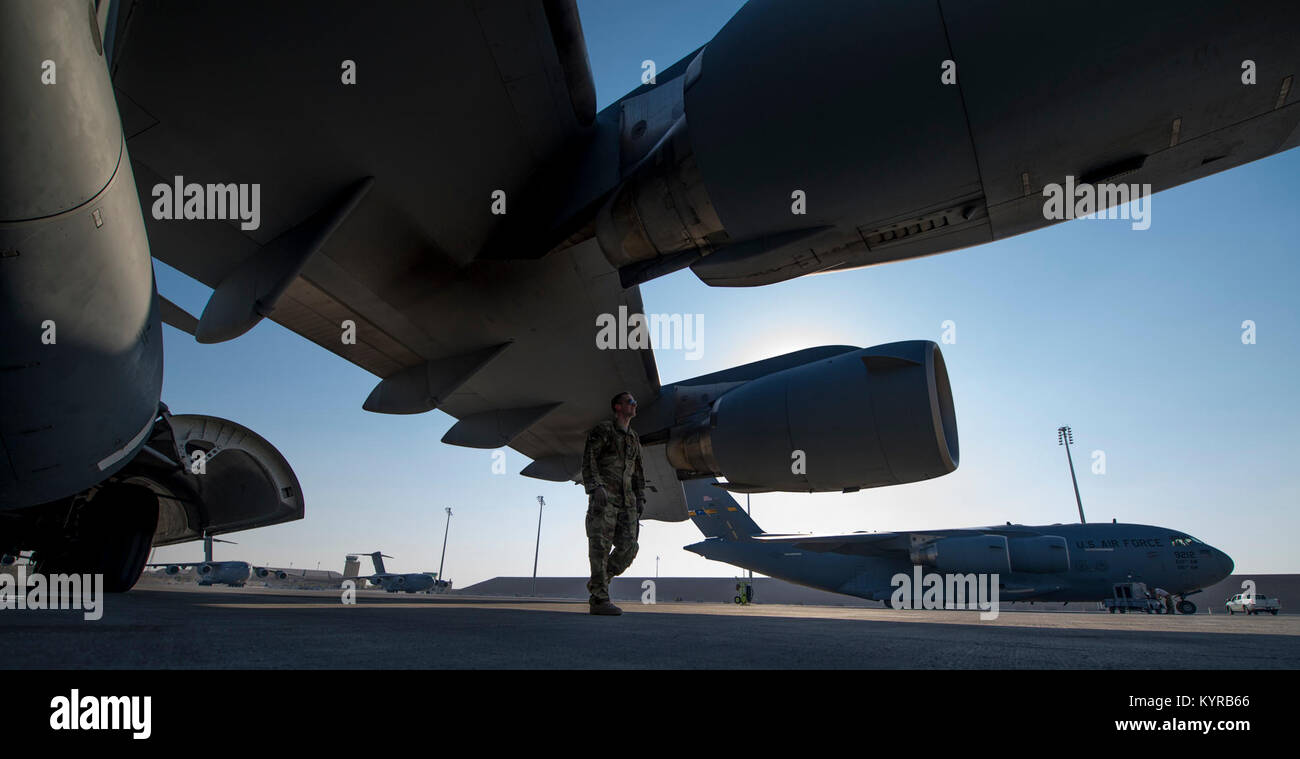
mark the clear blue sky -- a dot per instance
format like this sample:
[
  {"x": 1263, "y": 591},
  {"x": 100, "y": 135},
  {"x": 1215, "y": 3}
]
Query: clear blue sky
[{"x": 1133, "y": 338}]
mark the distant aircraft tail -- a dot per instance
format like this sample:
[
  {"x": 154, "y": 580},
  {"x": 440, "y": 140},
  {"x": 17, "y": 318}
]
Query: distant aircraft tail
[
  {"x": 376, "y": 558},
  {"x": 716, "y": 513}
]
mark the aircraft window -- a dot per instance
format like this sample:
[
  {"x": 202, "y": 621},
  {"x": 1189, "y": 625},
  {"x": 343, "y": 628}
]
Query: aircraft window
[{"x": 1184, "y": 540}]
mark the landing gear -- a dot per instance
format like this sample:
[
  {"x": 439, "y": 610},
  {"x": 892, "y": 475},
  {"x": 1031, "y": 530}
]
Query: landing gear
[
  {"x": 1186, "y": 607},
  {"x": 110, "y": 535}
]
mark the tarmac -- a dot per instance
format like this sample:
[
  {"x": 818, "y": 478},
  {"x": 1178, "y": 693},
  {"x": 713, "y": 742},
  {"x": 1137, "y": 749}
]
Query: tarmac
[{"x": 255, "y": 628}]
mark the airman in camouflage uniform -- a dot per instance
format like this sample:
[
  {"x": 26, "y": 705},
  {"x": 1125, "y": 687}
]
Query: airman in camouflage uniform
[{"x": 613, "y": 476}]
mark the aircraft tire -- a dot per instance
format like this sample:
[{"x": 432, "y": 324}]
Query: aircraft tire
[
  {"x": 1186, "y": 607},
  {"x": 114, "y": 536}
]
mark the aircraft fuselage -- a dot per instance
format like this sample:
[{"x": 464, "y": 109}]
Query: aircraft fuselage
[{"x": 1099, "y": 556}]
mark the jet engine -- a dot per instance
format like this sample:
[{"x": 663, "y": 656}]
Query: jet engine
[
  {"x": 1047, "y": 554},
  {"x": 982, "y": 554},
  {"x": 859, "y": 418}
]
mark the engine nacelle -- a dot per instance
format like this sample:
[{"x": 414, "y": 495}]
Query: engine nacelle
[
  {"x": 860, "y": 419},
  {"x": 261, "y": 573},
  {"x": 281, "y": 575},
  {"x": 712, "y": 179},
  {"x": 1047, "y": 554},
  {"x": 172, "y": 569},
  {"x": 982, "y": 554},
  {"x": 203, "y": 570}
]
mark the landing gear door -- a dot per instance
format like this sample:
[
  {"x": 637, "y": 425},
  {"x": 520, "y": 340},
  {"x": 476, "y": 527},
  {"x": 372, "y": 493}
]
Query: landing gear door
[{"x": 227, "y": 478}]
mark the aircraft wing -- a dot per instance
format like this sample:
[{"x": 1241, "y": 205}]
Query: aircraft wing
[
  {"x": 863, "y": 543},
  {"x": 377, "y": 203}
]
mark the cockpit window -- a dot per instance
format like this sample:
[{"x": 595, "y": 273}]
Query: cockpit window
[{"x": 1184, "y": 540}]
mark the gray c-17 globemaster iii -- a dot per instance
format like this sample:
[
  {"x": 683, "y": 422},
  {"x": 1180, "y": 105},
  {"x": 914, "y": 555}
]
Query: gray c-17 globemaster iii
[
  {"x": 232, "y": 573},
  {"x": 408, "y": 582},
  {"x": 437, "y": 174},
  {"x": 1059, "y": 562}
]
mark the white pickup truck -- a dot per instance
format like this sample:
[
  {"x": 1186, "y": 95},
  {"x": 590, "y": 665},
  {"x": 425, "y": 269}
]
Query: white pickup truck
[{"x": 1252, "y": 603}]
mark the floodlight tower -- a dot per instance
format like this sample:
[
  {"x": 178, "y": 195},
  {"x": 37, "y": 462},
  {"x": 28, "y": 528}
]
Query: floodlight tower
[
  {"x": 538, "y": 548},
  {"x": 1065, "y": 437},
  {"x": 443, "y": 560}
]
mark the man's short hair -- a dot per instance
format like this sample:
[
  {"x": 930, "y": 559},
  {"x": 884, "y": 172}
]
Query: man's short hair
[{"x": 614, "y": 401}]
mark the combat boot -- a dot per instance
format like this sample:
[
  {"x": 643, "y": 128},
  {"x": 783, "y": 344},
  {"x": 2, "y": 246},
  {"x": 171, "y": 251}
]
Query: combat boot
[{"x": 605, "y": 609}]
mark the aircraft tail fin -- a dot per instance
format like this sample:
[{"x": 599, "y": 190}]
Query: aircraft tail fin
[{"x": 716, "y": 512}]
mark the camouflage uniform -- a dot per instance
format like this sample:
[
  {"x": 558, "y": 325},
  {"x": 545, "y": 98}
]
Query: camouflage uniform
[{"x": 612, "y": 459}]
